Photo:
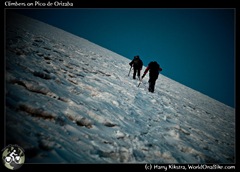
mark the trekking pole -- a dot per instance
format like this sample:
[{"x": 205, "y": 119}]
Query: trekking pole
[
  {"x": 129, "y": 70},
  {"x": 141, "y": 79},
  {"x": 139, "y": 82}
]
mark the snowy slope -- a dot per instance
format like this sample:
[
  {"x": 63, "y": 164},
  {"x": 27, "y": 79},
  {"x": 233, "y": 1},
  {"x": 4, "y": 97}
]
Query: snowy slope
[{"x": 70, "y": 101}]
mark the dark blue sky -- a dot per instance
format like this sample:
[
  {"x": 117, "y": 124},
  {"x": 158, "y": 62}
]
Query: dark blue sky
[{"x": 193, "y": 46}]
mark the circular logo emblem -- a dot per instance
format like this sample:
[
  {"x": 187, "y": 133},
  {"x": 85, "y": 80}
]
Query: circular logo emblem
[{"x": 13, "y": 157}]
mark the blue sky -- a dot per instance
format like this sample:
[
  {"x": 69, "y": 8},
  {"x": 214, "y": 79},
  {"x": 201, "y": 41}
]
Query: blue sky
[{"x": 193, "y": 46}]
